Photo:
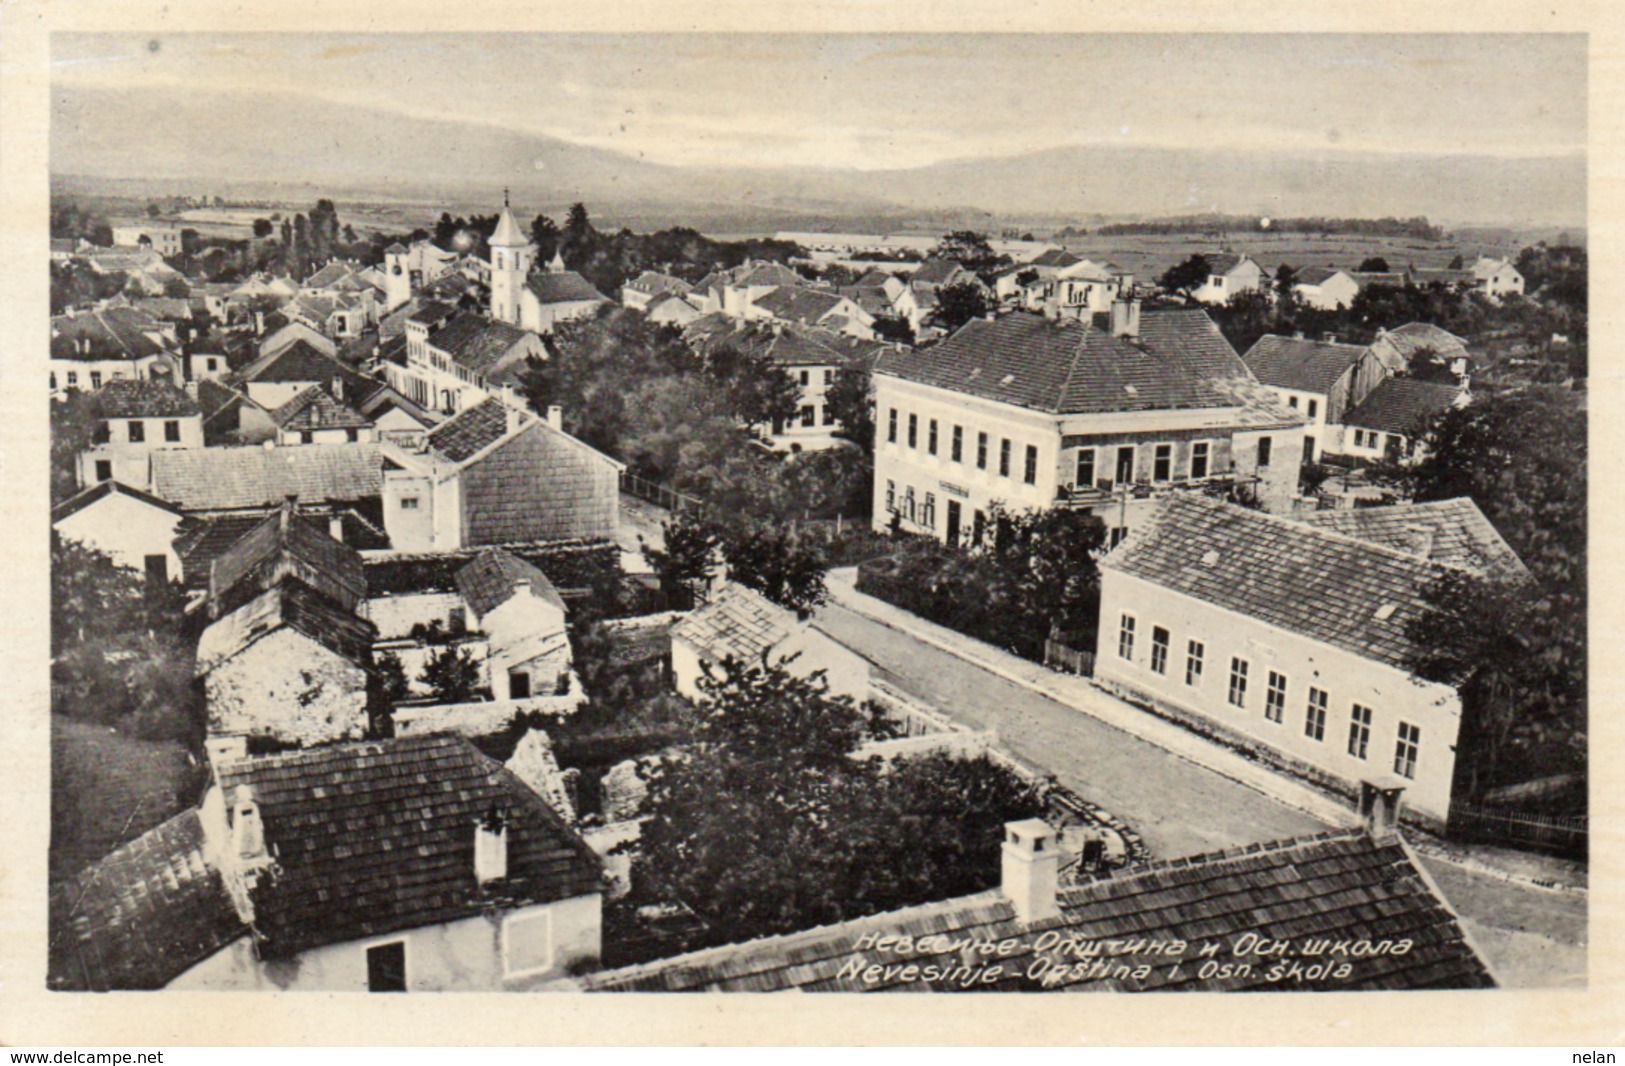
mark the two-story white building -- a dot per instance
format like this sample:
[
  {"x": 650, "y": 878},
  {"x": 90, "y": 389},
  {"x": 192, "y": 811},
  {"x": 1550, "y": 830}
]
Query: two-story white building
[
  {"x": 457, "y": 359},
  {"x": 91, "y": 348},
  {"x": 1321, "y": 378},
  {"x": 1033, "y": 413},
  {"x": 133, "y": 419}
]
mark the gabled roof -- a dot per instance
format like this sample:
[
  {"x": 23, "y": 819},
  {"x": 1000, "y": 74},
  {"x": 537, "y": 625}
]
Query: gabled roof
[
  {"x": 1068, "y": 367},
  {"x": 293, "y": 605},
  {"x": 873, "y": 278},
  {"x": 285, "y": 545},
  {"x": 470, "y": 431},
  {"x": 100, "y": 491},
  {"x": 1051, "y": 257},
  {"x": 1402, "y": 406},
  {"x": 316, "y": 409},
  {"x": 297, "y": 362},
  {"x": 798, "y": 304},
  {"x": 654, "y": 283},
  {"x": 1302, "y": 365},
  {"x": 1222, "y": 263},
  {"x": 203, "y": 540},
  {"x": 227, "y": 479},
  {"x": 1192, "y": 339},
  {"x": 386, "y": 398},
  {"x": 1341, "y": 886},
  {"x": 392, "y": 847},
  {"x": 740, "y": 623},
  {"x": 1454, "y": 533},
  {"x": 143, "y": 915},
  {"x": 1413, "y": 336},
  {"x": 432, "y": 313},
  {"x": 563, "y": 286},
  {"x": 1350, "y": 594},
  {"x": 494, "y": 577},
  {"x": 758, "y": 275},
  {"x": 787, "y": 346},
  {"x": 478, "y": 343},
  {"x": 115, "y": 333},
  {"x": 1395, "y": 278},
  {"x": 331, "y": 274},
  {"x": 1316, "y": 275},
  {"x": 936, "y": 272},
  {"x": 131, "y": 398}
]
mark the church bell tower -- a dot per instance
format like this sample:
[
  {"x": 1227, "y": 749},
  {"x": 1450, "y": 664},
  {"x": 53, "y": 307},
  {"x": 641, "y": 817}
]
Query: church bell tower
[{"x": 511, "y": 257}]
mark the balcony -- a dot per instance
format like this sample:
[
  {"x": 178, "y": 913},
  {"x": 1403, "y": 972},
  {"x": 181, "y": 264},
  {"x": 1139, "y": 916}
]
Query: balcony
[{"x": 1102, "y": 493}]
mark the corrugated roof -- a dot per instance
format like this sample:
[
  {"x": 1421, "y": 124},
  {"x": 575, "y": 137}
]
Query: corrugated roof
[
  {"x": 1068, "y": 367},
  {"x": 1303, "y": 365},
  {"x": 143, "y": 915},
  {"x": 1403, "y": 406},
  {"x": 1337, "y": 886},
  {"x": 1455, "y": 533},
  {"x": 377, "y": 837},
  {"x": 228, "y": 479},
  {"x": 493, "y": 578},
  {"x": 740, "y": 623},
  {"x": 129, "y": 398},
  {"x": 1305, "y": 580}
]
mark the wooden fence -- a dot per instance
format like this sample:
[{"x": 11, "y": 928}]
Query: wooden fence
[
  {"x": 1060, "y": 657},
  {"x": 661, "y": 495},
  {"x": 1560, "y": 834}
]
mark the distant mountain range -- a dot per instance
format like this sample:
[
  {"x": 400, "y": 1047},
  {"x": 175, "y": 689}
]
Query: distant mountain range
[{"x": 259, "y": 140}]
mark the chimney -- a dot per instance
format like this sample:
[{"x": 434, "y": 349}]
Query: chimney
[
  {"x": 1298, "y": 336},
  {"x": 337, "y": 388},
  {"x": 1330, "y": 338},
  {"x": 290, "y": 508},
  {"x": 555, "y": 416},
  {"x": 247, "y": 829},
  {"x": 1031, "y": 870},
  {"x": 1419, "y": 540},
  {"x": 490, "y": 848},
  {"x": 335, "y": 527},
  {"x": 225, "y": 749},
  {"x": 1125, "y": 319},
  {"x": 1380, "y": 808},
  {"x": 259, "y": 323}
]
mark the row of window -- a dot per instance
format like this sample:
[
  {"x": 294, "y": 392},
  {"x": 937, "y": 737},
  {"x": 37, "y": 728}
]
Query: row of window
[
  {"x": 1316, "y": 704},
  {"x": 1370, "y": 438},
  {"x": 72, "y": 379},
  {"x": 806, "y": 378},
  {"x": 1313, "y": 405},
  {"x": 956, "y": 446},
  {"x": 136, "y": 430}
]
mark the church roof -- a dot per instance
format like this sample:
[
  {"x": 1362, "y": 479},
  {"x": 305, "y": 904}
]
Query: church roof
[{"x": 508, "y": 231}]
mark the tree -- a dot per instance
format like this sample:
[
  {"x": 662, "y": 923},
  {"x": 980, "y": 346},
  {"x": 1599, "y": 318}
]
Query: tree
[
  {"x": 850, "y": 399},
  {"x": 452, "y": 675},
  {"x": 688, "y": 560},
  {"x": 1186, "y": 277},
  {"x": 73, "y": 427},
  {"x": 966, "y": 247},
  {"x": 781, "y": 563},
  {"x": 1375, "y": 264},
  {"x": 1424, "y": 364},
  {"x": 1457, "y": 263},
  {"x": 262, "y": 227},
  {"x": 960, "y": 302},
  {"x": 765, "y": 823},
  {"x": 153, "y": 210}
]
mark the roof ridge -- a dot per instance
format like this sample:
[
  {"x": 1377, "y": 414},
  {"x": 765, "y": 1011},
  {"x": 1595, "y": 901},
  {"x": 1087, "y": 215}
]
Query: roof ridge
[{"x": 1303, "y": 527}]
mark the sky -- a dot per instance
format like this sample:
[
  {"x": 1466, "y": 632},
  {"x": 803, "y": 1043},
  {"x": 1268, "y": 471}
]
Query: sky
[{"x": 877, "y": 102}]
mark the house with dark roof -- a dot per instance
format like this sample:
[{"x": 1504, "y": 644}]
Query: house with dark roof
[
  {"x": 1391, "y": 421},
  {"x": 1230, "y": 274},
  {"x": 1269, "y": 911},
  {"x": 495, "y": 475},
  {"x": 92, "y": 348},
  {"x": 134, "y": 528},
  {"x": 283, "y": 371},
  {"x": 670, "y": 309},
  {"x": 254, "y": 480},
  {"x": 1289, "y": 639},
  {"x": 289, "y": 666},
  {"x": 134, "y": 418},
  {"x": 1448, "y": 532},
  {"x": 314, "y": 416},
  {"x": 280, "y": 546},
  {"x": 641, "y": 291},
  {"x": 230, "y": 418},
  {"x": 1321, "y": 378},
  {"x": 1398, "y": 347},
  {"x": 413, "y": 864},
  {"x": 1035, "y": 413},
  {"x": 799, "y": 306},
  {"x": 456, "y": 360},
  {"x": 740, "y": 626}
]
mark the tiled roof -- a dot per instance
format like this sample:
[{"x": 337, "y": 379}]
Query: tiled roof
[
  {"x": 1402, "y": 406},
  {"x": 1296, "y": 577},
  {"x": 477, "y": 343},
  {"x": 284, "y": 545},
  {"x": 116, "y": 333},
  {"x": 143, "y": 915},
  {"x": 298, "y": 362},
  {"x": 740, "y": 623},
  {"x": 395, "y": 249},
  {"x": 787, "y": 346},
  {"x": 1428, "y": 276},
  {"x": 797, "y": 304},
  {"x": 203, "y": 540},
  {"x": 936, "y": 272},
  {"x": 293, "y": 605},
  {"x": 1193, "y": 340},
  {"x": 872, "y": 279},
  {"x": 1315, "y": 275},
  {"x": 494, "y": 576},
  {"x": 471, "y": 430},
  {"x": 563, "y": 286},
  {"x": 1222, "y": 263},
  {"x": 377, "y": 837},
  {"x": 1456, "y": 533},
  {"x": 227, "y": 479},
  {"x": 1413, "y": 336},
  {"x": 1395, "y": 278},
  {"x": 328, "y": 275},
  {"x": 169, "y": 308},
  {"x": 129, "y": 398},
  {"x": 101, "y": 490},
  {"x": 765, "y": 274},
  {"x": 386, "y": 398},
  {"x": 1303, "y": 365},
  {"x": 316, "y": 409},
  {"x": 1067, "y": 367},
  {"x": 1334, "y": 887},
  {"x": 871, "y": 298},
  {"x": 433, "y": 312},
  {"x": 653, "y": 282},
  {"x": 1050, "y": 257},
  {"x": 538, "y": 484}
]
